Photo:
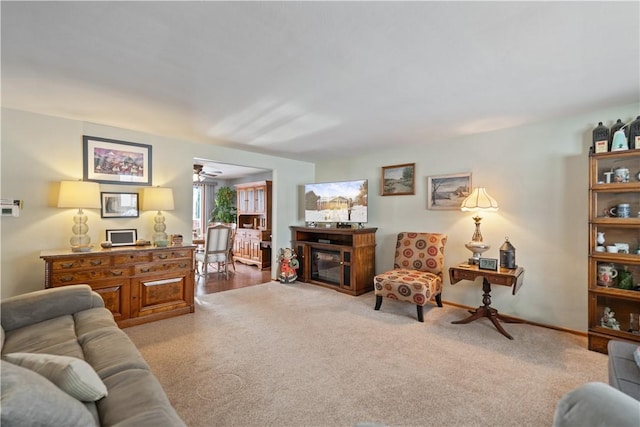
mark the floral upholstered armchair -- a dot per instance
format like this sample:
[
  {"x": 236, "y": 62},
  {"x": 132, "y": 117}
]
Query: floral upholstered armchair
[{"x": 417, "y": 271}]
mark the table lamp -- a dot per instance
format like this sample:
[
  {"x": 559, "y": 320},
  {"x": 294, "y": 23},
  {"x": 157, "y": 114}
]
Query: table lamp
[
  {"x": 158, "y": 199},
  {"x": 479, "y": 200},
  {"x": 80, "y": 195}
]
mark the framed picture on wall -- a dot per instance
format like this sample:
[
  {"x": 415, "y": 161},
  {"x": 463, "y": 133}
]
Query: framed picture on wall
[
  {"x": 446, "y": 192},
  {"x": 398, "y": 180},
  {"x": 116, "y": 162},
  {"x": 119, "y": 205}
]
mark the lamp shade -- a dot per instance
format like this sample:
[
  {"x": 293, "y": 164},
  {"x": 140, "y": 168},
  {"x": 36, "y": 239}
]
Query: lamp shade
[
  {"x": 157, "y": 199},
  {"x": 479, "y": 200},
  {"x": 79, "y": 195}
]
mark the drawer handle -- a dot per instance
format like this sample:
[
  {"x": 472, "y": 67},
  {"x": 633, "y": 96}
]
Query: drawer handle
[
  {"x": 117, "y": 273},
  {"x": 96, "y": 262},
  {"x": 66, "y": 279},
  {"x": 145, "y": 270},
  {"x": 182, "y": 265},
  {"x": 162, "y": 256},
  {"x": 66, "y": 265}
]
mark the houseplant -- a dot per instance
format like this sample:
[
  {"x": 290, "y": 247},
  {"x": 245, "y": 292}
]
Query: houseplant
[{"x": 224, "y": 209}]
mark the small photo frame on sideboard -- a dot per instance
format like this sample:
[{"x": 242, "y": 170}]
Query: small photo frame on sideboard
[
  {"x": 122, "y": 237},
  {"x": 488, "y": 264}
]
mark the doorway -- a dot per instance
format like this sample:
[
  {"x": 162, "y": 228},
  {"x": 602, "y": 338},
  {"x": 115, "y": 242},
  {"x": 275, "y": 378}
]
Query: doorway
[{"x": 209, "y": 177}]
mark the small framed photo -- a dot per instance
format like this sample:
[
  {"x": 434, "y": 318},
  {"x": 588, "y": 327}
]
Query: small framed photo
[
  {"x": 398, "y": 180},
  {"x": 119, "y": 205},
  {"x": 488, "y": 264},
  {"x": 123, "y": 237},
  {"x": 116, "y": 162},
  {"x": 446, "y": 192}
]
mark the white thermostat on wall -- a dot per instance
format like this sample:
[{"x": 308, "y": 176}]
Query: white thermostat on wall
[{"x": 10, "y": 207}]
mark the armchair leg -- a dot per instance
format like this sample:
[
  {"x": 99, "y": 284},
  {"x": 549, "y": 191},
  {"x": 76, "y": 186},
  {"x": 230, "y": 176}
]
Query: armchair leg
[
  {"x": 420, "y": 316},
  {"x": 378, "y": 302},
  {"x": 439, "y": 300}
]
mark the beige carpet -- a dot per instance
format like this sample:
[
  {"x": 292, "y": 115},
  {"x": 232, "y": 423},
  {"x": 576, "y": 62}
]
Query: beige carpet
[{"x": 301, "y": 355}]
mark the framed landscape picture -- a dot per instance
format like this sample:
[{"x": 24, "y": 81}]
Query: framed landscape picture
[
  {"x": 116, "y": 162},
  {"x": 446, "y": 192},
  {"x": 398, "y": 180}
]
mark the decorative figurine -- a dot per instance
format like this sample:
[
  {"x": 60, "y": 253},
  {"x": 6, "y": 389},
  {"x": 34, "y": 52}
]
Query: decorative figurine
[
  {"x": 288, "y": 265},
  {"x": 608, "y": 320}
]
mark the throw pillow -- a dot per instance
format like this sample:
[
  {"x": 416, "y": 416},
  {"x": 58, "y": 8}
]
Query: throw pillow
[
  {"x": 29, "y": 399},
  {"x": 70, "y": 374},
  {"x": 636, "y": 355}
]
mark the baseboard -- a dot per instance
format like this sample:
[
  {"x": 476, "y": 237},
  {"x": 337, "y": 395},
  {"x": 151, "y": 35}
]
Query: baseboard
[{"x": 520, "y": 320}]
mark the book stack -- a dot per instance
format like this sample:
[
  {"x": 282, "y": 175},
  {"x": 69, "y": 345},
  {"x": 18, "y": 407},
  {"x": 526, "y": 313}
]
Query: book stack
[{"x": 176, "y": 240}]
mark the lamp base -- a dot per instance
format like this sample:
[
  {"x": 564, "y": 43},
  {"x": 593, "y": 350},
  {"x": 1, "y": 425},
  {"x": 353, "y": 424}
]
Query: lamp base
[
  {"x": 82, "y": 248},
  {"x": 478, "y": 248}
]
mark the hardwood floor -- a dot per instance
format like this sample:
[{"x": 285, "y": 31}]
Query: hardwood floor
[{"x": 243, "y": 276}]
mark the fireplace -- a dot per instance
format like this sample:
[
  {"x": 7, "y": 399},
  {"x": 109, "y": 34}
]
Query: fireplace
[{"x": 326, "y": 266}]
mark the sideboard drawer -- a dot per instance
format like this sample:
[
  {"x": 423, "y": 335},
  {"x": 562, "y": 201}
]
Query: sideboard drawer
[
  {"x": 163, "y": 267},
  {"x": 86, "y": 276},
  {"x": 134, "y": 258},
  {"x": 174, "y": 254},
  {"x": 72, "y": 263}
]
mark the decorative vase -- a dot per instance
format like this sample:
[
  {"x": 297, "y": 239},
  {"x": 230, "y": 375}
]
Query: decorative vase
[{"x": 600, "y": 238}]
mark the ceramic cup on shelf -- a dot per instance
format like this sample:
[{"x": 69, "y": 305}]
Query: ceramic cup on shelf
[
  {"x": 606, "y": 274},
  {"x": 599, "y": 248},
  {"x": 623, "y": 248},
  {"x": 612, "y": 249}
]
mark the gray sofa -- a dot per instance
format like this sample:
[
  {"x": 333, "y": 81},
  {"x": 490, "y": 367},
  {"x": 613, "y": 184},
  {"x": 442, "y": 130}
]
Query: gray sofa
[
  {"x": 599, "y": 404},
  {"x": 63, "y": 325}
]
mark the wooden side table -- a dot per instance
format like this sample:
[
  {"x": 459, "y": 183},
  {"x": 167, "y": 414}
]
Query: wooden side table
[{"x": 503, "y": 276}]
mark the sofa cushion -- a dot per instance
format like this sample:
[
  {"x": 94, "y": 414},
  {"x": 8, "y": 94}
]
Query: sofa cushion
[
  {"x": 624, "y": 373},
  {"x": 55, "y": 336},
  {"x": 70, "y": 374},
  {"x": 127, "y": 406},
  {"x": 109, "y": 351},
  {"x": 29, "y": 399}
]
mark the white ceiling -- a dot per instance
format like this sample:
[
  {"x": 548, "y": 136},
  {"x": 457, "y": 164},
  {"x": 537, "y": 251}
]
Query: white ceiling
[{"x": 312, "y": 80}]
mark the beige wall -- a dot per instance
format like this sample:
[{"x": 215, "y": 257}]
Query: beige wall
[
  {"x": 537, "y": 173},
  {"x": 39, "y": 151},
  {"x": 539, "y": 176}
]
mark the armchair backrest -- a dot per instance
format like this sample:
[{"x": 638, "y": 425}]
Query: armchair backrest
[
  {"x": 218, "y": 239},
  {"x": 421, "y": 251}
]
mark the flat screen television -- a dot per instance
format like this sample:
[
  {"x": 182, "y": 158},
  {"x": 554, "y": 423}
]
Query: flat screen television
[{"x": 341, "y": 201}]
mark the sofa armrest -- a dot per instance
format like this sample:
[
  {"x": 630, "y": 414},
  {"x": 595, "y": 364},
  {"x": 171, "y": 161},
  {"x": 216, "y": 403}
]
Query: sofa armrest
[
  {"x": 38, "y": 306},
  {"x": 597, "y": 404}
]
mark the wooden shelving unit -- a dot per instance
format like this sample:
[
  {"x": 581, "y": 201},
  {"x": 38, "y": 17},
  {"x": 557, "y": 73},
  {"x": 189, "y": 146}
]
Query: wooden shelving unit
[{"x": 602, "y": 196}]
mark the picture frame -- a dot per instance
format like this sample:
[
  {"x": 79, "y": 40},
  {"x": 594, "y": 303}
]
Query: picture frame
[
  {"x": 122, "y": 237},
  {"x": 488, "y": 264},
  {"x": 119, "y": 205},
  {"x": 446, "y": 192},
  {"x": 116, "y": 162},
  {"x": 398, "y": 180}
]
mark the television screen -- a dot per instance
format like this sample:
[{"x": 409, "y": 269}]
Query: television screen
[{"x": 344, "y": 201}]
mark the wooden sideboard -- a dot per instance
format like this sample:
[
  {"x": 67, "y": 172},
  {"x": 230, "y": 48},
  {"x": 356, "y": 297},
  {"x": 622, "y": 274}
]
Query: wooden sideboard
[{"x": 138, "y": 284}]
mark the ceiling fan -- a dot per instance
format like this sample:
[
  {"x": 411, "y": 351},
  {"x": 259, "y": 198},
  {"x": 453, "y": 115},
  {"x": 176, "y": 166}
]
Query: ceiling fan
[{"x": 201, "y": 174}]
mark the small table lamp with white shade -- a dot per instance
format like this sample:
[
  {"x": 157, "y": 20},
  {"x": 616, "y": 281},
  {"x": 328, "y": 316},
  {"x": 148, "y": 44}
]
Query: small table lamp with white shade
[
  {"x": 80, "y": 195},
  {"x": 479, "y": 200},
  {"x": 158, "y": 199}
]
